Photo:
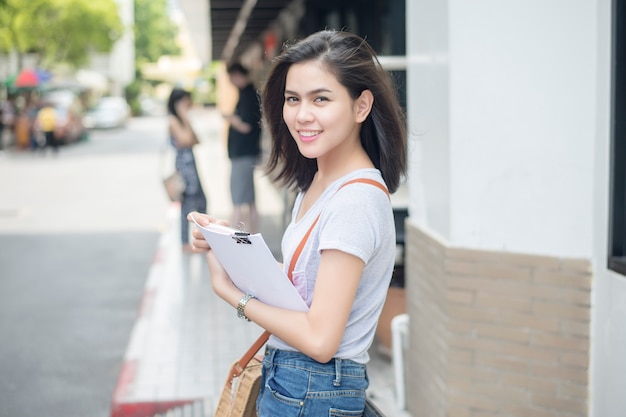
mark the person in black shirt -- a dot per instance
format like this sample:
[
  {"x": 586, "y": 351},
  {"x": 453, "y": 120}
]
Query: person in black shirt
[{"x": 244, "y": 146}]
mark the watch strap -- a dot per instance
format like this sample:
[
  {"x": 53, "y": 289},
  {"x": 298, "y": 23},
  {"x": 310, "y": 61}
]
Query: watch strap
[{"x": 242, "y": 306}]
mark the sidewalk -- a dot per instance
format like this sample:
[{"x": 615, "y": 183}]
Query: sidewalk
[{"x": 185, "y": 337}]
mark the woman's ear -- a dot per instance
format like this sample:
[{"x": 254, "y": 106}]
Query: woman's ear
[{"x": 363, "y": 105}]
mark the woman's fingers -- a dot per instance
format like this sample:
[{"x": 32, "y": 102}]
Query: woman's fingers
[
  {"x": 205, "y": 219},
  {"x": 198, "y": 241},
  {"x": 200, "y": 218}
]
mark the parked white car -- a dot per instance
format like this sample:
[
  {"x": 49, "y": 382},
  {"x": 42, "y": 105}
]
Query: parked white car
[{"x": 109, "y": 112}]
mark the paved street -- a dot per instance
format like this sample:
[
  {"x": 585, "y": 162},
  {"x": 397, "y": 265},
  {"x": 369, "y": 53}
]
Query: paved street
[{"x": 78, "y": 232}]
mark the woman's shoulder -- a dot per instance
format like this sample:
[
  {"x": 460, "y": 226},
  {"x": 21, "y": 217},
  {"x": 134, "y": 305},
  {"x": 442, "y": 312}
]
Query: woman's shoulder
[
  {"x": 361, "y": 188},
  {"x": 358, "y": 203},
  {"x": 370, "y": 177}
]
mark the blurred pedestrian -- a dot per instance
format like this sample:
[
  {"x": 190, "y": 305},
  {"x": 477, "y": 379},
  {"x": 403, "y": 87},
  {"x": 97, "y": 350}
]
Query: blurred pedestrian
[
  {"x": 46, "y": 122},
  {"x": 244, "y": 147},
  {"x": 37, "y": 138},
  {"x": 183, "y": 138},
  {"x": 8, "y": 122},
  {"x": 23, "y": 124}
]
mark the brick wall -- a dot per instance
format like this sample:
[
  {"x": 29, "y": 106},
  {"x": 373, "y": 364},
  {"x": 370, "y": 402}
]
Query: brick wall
[{"x": 495, "y": 333}]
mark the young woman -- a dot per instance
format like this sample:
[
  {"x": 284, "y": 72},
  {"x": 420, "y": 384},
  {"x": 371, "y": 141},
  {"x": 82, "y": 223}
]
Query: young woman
[
  {"x": 334, "y": 117},
  {"x": 183, "y": 138}
]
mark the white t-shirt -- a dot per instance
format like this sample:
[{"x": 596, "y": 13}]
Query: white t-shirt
[{"x": 356, "y": 219}]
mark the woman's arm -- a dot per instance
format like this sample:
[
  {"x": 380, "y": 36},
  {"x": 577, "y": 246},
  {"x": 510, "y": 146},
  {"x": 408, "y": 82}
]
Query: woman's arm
[
  {"x": 316, "y": 333},
  {"x": 238, "y": 124},
  {"x": 182, "y": 132}
]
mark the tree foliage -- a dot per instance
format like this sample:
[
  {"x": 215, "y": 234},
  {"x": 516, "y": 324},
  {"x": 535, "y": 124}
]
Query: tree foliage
[
  {"x": 59, "y": 30},
  {"x": 155, "y": 32}
]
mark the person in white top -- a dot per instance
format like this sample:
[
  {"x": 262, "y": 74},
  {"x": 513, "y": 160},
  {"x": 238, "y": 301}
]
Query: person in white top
[{"x": 339, "y": 137}]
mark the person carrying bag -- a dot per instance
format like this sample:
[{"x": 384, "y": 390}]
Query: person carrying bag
[
  {"x": 334, "y": 120},
  {"x": 184, "y": 184}
]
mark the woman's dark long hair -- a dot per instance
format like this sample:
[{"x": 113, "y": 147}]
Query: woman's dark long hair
[
  {"x": 354, "y": 64},
  {"x": 176, "y": 95}
]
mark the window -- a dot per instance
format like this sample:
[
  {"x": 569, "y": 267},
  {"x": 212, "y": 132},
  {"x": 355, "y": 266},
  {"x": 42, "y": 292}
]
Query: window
[{"x": 617, "y": 205}]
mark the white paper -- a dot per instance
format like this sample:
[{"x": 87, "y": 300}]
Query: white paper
[{"x": 252, "y": 267}]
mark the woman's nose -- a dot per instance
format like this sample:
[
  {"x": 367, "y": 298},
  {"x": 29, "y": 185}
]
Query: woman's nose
[{"x": 304, "y": 113}]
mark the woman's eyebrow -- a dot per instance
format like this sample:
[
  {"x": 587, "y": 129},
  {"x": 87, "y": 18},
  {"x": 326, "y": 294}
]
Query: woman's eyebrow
[{"x": 310, "y": 93}]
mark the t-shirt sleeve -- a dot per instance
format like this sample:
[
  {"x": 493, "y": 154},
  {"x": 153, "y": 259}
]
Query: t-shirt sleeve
[{"x": 352, "y": 221}]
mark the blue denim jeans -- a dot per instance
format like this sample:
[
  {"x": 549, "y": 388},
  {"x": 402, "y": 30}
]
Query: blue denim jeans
[
  {"x": 294, "y": 385},
  {"x": 194, "y": 198}
]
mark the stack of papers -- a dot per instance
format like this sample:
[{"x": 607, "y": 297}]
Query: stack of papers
[{"x": 251, "y": 265}]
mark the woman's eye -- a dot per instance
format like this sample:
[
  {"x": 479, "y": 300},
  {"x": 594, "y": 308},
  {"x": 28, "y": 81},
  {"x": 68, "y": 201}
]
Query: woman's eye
[
  {"x": 320, "y": 99},
  {"x": 291, "y": 99}
]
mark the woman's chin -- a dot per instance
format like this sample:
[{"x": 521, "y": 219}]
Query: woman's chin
[{"x": 307, "y": 152}]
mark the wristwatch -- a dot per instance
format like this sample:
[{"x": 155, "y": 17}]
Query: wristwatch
[{"x": 242, "y": 305}]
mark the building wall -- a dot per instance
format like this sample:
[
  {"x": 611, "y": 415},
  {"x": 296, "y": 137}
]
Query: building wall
[
  {"x": 198, "y": 18},
  {"x": 500, "y": 104},
  {"x": 496, "y": 333},
  {"x": 512, "y": 310},
  {"x": 608, "y": 332}
]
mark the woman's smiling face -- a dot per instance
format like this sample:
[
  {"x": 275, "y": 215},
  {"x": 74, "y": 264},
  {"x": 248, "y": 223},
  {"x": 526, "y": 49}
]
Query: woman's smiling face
[{"x": 318, "y": 110}]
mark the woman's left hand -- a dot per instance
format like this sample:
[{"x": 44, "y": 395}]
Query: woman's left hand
[
  {"x": 220, "y": 281},
  {"x": 198, "y": 241}
]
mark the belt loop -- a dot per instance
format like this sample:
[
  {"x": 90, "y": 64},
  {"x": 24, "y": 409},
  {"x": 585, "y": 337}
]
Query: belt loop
[
  {"x": 269, "y": 354},
  {"x": 337, "y": 381}
]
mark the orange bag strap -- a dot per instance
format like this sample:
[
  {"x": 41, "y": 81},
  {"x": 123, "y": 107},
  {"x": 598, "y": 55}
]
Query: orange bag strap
[{"x": 239, "y": 366}]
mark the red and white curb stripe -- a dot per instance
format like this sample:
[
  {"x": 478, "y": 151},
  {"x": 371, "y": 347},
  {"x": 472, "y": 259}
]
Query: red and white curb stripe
[{"x": 128, "y": 398}]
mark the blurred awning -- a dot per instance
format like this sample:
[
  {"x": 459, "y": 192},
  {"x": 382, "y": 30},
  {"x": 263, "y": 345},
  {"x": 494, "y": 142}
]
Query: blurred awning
[
  {"x": 236, "y": 24},
  {"x": 172, "y": 69}
]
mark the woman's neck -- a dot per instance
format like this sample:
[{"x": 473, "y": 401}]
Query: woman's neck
[{"x": 331, "y": 169}]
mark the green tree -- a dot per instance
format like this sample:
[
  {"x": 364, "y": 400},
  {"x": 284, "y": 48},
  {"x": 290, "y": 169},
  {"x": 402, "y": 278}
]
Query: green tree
[
  {"x": 59, "y": 30},
  {"x": 155, "y": 36},
  {"x": 155, "y": 32}
]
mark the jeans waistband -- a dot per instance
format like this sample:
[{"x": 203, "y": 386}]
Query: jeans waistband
[{"x": 337, "y": 366}]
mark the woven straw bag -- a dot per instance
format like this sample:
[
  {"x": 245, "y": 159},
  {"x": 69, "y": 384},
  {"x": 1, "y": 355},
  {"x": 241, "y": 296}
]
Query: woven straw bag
[{"x": 239, "y": 394}]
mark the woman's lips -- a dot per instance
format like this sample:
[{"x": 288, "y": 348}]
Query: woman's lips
[{"x": 308, "y": 135}]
